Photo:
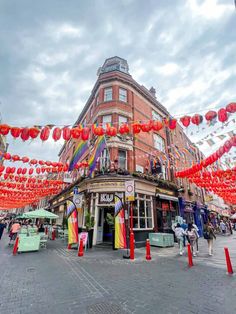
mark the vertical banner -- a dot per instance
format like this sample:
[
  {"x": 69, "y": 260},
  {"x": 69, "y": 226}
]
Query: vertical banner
[
  {"x": 120, "y": 231},
  {"x": 72, "y": 224}
]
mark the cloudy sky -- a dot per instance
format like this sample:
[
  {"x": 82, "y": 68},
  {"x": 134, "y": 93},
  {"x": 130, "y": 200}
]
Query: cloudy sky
[{"x": 50, "y": 52}]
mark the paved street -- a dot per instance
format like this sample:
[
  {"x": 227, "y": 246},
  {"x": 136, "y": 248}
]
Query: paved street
[{"x": 55, "y": 280}]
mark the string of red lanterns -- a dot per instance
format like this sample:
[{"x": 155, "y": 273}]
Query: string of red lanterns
[
  {"x": 209, "y": 160},
  {"x": 84, "y": 132}
]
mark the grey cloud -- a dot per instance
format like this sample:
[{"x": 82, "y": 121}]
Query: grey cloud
[{"x": 50, "y": 52}]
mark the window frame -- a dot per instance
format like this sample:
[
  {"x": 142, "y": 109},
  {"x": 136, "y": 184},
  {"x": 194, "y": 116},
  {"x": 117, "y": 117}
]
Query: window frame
[
  {"x": 104, "y": 124},
  {"x": 105, "y": 89},
  {"x": 126, "y": 94},
  {"x": 122, "y": 122},
  {"x": 126, "y": 161},
  {"x": 145, "y": 198},
  {"x": 163, "y": 142}
]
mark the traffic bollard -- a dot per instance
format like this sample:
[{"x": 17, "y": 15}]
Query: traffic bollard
[
  {"x": 53, "y": 235},
  {"x": 69, "y": 246},
  {"x": 46, "y": 230},
  {"x": 81, "y": 248},
  {"x": 148, "y": 250},
  {"x": 15, "y": 248},
  {"x": 228, "y": 262},
  {"x": 132, "y": 245},
  {"x": 190, "y": 258}
]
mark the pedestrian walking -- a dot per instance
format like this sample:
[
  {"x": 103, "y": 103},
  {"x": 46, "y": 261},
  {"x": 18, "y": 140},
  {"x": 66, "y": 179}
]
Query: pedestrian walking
[
  {"x": 184, "y": 226},
  {"x": 179, "y": 233},
  {"x": 209, "y": 235},
  {"x": 223, "y": 227},
  {"x": 2, "y": 227},
  {"x": 192, "y": 237},
  {"x": 15, "y": 228},
  {"x": 197, "y": 230}
]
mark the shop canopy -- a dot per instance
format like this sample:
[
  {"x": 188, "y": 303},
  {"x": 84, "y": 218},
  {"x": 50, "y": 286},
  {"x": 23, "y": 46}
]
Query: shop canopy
[{"x": 40, "y": 213}]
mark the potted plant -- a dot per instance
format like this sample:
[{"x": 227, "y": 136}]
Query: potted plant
[{"x": 89, "y": 224}]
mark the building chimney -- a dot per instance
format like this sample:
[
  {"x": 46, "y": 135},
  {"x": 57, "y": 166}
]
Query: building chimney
[{"x": 153, "y": 91}]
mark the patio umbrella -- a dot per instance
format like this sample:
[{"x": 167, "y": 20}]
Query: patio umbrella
[
  {"x": 40, "y": 213},
  {"x": 233, "y": 217}
]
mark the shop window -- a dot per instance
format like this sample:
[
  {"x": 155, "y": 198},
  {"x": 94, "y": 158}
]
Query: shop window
[
  {"x": 108, "y": 94},
  {"x": 122, "y": 159},
  {"x": 142, "y": 212},
  {"x": 122, "y": 94},
  {"x": 122, "y": 119},
  {"x": 106, "y": 120},
  {"x": 159, "y": 143}
]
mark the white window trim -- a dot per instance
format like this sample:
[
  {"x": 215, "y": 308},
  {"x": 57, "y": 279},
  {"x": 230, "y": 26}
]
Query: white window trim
[
  {"x": 126, "y": 96},
  {"x": 138, "y": 198},
  {"x": 126, "y": 161},
  {"x": 163, "y": 142},
  {"x": 106, "y": 88}
]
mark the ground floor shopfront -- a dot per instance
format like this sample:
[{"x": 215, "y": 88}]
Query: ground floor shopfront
[{"x": 154, "y": 209}]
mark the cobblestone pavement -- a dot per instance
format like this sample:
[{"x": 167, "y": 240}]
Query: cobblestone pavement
[{"x": 55, "y": 280}]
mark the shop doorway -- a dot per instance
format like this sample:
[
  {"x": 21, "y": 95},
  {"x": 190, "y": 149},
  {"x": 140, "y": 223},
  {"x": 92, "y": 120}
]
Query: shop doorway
[{"x": 105, "y": 224}]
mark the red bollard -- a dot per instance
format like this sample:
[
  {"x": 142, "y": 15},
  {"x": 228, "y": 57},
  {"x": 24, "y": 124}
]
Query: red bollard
[
  {"x": 190, "y": 258},
  {"x": 81, "y": 248},
  {"x": 46, "y": 230},
  {"x": 131, "y": 246},
  {"x": 148, "y": 250},
  {"x": 15, "y": 248},
  {"x": 69, "y": 246},
  {"x": 53, "y": 234},
  {"x": 228, "y": 262}
]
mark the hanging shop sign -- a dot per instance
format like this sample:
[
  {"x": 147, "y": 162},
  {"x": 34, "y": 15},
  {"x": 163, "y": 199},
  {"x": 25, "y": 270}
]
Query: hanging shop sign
[
  {"x": 163, "y": 191},
  {"x": 129, "y": 191}
]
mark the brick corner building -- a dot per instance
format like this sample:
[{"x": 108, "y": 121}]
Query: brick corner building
[{"x": 117, "y": 98}]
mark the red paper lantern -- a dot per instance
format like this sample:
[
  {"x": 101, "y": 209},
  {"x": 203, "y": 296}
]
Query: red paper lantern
[
  {"x": 25, "y": 159},
  {"x": 66, "y": 133},
  {"x": 99, "y": 131},
  {"x": 41, "y": 162},
  {"x": 222, "y": 115},
  {"x": 136, "y": 128},
  {"x": 34, "y": 132},
  {"x": 85, "y": 134},
  {"x": 19, "y": 171},
  {"x": 172, "y": 124},
  {"x": 185, "y": 121},
  {"x": 48, "y": 163},
  {"x": 15, "y": 132},
  {"x": 231, "y": 108},
  {"x": 25, "y": 134},
  {"x": 8, "y": 170},
  {"x": 197, "y": 119},
  {"x": 124, "y": 128},
  {"x": 7, "y": 156},
  {"x": 15, "y": 157},
  {"x": 76, "y": 132},
  {"x": 210, "y": 115},
  {"x": 146, "y": 127},
  {"x": 4, "y": 129},
  {"x": 157, "y": 125},
  {"x": 33, "y": 161},
  {"x": 24, "y": 170},
  {"x": 2, "y": 168},
  {"x": 13, "y": 169},
  {"x": 111, "y": 131},
  {"x": 45, "y": 132},
  {"x": 38, "y": 170},
  {"x": 56, "y": 135},
  {"x": 31, "y": 170}
]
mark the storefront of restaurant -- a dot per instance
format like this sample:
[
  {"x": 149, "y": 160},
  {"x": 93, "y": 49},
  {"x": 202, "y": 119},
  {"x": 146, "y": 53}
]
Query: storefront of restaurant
[
  {"x": 154, "y": 208},
  {"x": 167, "y": 208}
]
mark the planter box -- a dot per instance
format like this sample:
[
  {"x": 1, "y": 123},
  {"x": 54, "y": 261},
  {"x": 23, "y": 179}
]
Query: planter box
[{"x": 161, "y": 239}]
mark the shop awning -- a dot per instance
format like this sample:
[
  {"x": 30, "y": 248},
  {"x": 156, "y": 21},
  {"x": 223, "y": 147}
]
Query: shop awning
[{"x": 168, "y": 197}]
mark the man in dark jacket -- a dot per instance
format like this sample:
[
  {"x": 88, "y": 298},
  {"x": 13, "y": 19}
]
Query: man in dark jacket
[{"x": 2, "y": 227}]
